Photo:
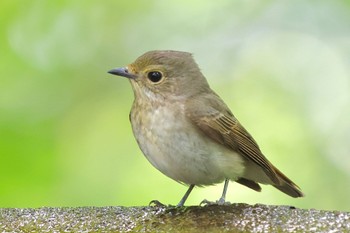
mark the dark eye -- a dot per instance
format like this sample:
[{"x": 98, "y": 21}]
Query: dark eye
[{"x": 155, "y": 76}]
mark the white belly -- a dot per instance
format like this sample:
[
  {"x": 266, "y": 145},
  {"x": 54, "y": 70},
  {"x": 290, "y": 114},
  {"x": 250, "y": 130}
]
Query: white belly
[{"x": 180, "y": 151}]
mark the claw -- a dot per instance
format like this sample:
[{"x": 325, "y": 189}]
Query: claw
[
  {"x": 156, "y": 203},
  {"x": 205, "y": 202},
  {"x": 221, "y": 201}
]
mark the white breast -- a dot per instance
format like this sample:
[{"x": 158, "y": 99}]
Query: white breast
[{"x": 179, "y": 150}]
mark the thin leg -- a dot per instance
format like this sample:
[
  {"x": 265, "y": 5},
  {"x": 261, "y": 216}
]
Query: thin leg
[
  {"x": 184, "y": 198},
  {"x": 223, "y": 196},
  {"x": 221, "y": 201}
]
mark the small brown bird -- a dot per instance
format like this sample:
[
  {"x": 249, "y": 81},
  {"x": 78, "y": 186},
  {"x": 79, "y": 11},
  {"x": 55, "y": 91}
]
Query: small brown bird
[{"x": 188, "y": 133}]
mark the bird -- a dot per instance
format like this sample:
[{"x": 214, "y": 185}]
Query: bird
[{"x": 188, "y": 133}]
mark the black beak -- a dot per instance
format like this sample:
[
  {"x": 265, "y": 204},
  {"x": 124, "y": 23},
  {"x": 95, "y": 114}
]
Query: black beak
[{"x": 122, "y": 72}]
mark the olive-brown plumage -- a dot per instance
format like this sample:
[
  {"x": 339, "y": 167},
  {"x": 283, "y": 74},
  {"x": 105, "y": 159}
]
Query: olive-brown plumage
[{"x": 188, "y": 133}]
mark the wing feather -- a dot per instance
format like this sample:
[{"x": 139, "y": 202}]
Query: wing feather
[
  {"x": 211, "y": 115},
  {"x": 216, "y": 121}
]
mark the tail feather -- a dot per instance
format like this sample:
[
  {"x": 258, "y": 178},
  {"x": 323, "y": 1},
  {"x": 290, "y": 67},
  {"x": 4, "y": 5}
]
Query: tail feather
[
  {"x": 287, "y": 186},
  {"x": 290, "y": 190},
  {"x": 255, "y": 174},
  {"x": 249, "y": 183}
]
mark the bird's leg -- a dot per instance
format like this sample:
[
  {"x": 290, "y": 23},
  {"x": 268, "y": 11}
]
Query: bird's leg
[
  {"x": 181, "y": 203},
  {"x": 184, "y": 198},
  {"x": 221, "y": 201}
]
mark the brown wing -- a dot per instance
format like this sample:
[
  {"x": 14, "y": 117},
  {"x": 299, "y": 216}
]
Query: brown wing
[
  {"x": 214, "y": 118},
  {"x": 226, "y": 130},
  {"x": 210, "y": 114}
]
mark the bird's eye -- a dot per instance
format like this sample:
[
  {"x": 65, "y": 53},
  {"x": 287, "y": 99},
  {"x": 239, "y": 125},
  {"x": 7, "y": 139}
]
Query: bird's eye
[{"x": 155, "y": 76}]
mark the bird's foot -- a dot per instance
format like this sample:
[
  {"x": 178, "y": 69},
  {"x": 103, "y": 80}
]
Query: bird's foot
[
  {"x": 157, "y": 203},
  {"x": 221, "y": 201}
]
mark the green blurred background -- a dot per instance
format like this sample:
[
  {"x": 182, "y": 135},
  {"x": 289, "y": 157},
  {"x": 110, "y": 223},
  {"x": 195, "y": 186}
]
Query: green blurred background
[{"x": 283, "y": 67}]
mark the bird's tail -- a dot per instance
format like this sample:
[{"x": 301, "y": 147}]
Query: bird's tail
[{"x": 287, "y": 186}]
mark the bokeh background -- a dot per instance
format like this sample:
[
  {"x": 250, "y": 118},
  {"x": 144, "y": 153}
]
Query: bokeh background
[{"x": 283, "y": 67}]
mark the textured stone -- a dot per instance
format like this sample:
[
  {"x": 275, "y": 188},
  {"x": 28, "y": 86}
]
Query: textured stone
[{"x": 213, "y": 218}]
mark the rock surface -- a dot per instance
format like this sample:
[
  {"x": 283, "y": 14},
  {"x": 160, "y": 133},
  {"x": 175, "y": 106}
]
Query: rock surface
[{"x": 213, "y": 218}]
